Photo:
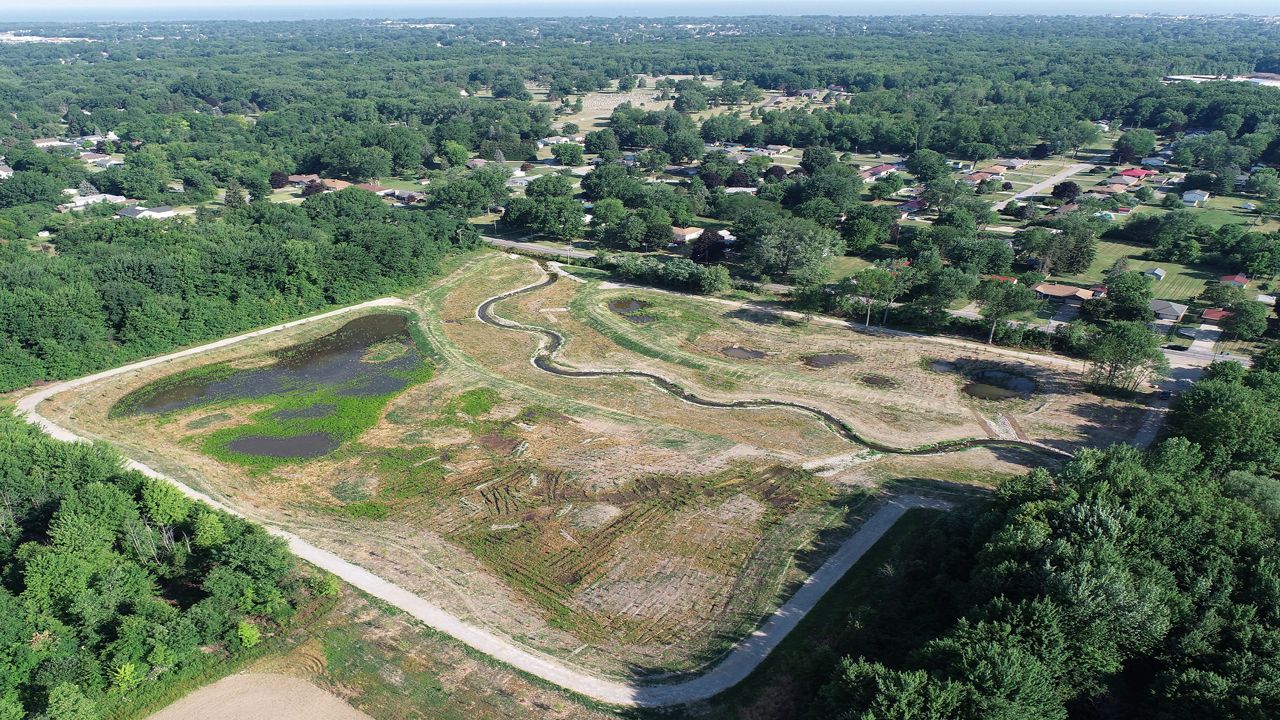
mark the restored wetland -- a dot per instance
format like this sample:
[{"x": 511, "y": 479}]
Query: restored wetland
[{"x": 634, "y": 497}]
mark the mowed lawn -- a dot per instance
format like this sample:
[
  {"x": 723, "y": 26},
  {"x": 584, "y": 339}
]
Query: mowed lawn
[{"x": 1182, "y": 282}]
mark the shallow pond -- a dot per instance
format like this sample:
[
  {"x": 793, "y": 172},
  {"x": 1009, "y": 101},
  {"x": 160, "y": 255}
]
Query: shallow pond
[
  {"x": 330, "y": 362},
  {"x": 942, "y": 366},
  {"x": 879, "y": 381},
  {"x": 999, "y": 385},
  {"x": 311, "y": 411},
  {"x": 826, "y": 360},
  {"x": 741, "y": 353},
  {"x": 307, "y": 445},
  {"x": 630, "y": 308}
]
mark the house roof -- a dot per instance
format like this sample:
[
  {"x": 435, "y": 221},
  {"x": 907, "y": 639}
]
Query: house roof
[
  {"x": 1063, "y": 291},
  {"x": 1138, "y": 173},
  {"x": 304, "y": 178},
  {"x": 1159, "y": 272},
  {"x": 335, "y": 184},
  {"x": 1165, "y": 306},
  {"x": 1238, "y": 279},
  {"x": 1215, "y": 314}
]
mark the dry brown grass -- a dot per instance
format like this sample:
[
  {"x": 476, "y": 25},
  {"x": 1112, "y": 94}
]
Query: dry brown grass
[{"x": 602, "y": 519}]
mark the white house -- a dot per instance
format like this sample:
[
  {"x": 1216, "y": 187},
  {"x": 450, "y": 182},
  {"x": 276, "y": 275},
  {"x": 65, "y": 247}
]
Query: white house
[
  {"x": 6, "y": 172},
  {"x": 1195, "y": 198},
  {"x": 683, "y": 235},
  {"x": 161, "y": 212},
  {"x": 80, "y": 202}
]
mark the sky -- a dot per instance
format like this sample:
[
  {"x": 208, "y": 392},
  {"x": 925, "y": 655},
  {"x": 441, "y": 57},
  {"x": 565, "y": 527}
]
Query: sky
[{"x": 73, "y": 10}]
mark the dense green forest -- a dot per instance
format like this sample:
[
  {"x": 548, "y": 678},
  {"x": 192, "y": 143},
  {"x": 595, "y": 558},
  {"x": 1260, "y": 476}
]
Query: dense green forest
[
  {"x": 116, "y": 586},
  {"x": 121, "y": 289},
  {"x": 199, "y": 110}
]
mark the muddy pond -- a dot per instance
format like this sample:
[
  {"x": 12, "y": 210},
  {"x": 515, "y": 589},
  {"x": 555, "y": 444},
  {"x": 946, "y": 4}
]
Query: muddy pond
[
  {"x": 741, "y": 353},
  {"x": 827, "y": 360},
  {"x": 998, "y": 385},
  {"x": 631, "y": 309},
  {"x": 334, "y": 364}
]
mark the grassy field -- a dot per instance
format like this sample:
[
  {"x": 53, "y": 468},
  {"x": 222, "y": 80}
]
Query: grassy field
[
  {"x": 601, "y": 518},
  {"x": 1182, "y": 283}
]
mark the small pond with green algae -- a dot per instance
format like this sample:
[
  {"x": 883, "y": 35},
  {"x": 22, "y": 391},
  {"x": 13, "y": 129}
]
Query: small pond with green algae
[{"x": 320, "y": 393}]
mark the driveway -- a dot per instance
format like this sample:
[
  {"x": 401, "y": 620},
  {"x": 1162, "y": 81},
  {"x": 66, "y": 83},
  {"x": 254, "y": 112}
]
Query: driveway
[
  {"x": 1204, "y": 338},
  {"x": 1040, "y": 187}
]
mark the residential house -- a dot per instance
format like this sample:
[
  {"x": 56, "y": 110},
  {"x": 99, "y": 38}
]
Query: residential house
[
  {"x": 912, "y": 206},
  {"x": 1064, "y": 209},
  {"x": 376, "y": 189},
  {"x": 1166, "y": 310},
  {"x": 1195, "y": 198},
  {"x": 6, "y": 172},
  {"x": 777, "y": 149},
  {"x": 409, "y": 197},
  {"x": 976, "y": 178},
  {"x": 81, "y": 202},
  {"x": 1156, "y": 273},
  {"x": 1155, "y": 162},
  {"x": 996, "y": 170},
  {"x": 740, "y": 190},
  {"x": 138, "y": 212},
  {"x": 334, "y": 185},
  {"x": 52, "y": 144},
  {"x": 475, "y": 163},
  {"x": 93, "y": 156},
  {"x": 877, "y": 172},
  {"x": 729, "y": 238},
  {"x": 1215, "y": 315},
  {"x": 684, "y": 235},
  {"x": 301, "y": 181},
  {"x": 1125, "y": 180},
  {"x": 1067, "y": 294},
  {"x": 553, "y": 140},
  {"x": 1139, "y": 173},
  {"x": 1238, "y": 280},
  {"x": 1014, "y": 163},
  {"x": 1266, "y": 299},
  {"x": 109, "y": 162}
]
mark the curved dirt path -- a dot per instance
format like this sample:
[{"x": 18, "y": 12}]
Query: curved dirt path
[
  {"x": 551, "y": 342},
  {"x": 728, "y": 671}
]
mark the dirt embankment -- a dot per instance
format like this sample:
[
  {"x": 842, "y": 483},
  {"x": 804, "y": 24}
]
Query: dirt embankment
[{"x": 253, "y": 696}]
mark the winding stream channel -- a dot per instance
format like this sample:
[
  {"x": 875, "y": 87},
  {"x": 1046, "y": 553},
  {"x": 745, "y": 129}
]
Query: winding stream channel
[{"x": 551, "y": 342}]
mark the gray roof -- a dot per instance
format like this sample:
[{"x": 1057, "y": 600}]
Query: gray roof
[
  {"x": 132, "y": 212},
  {"x": 1165, "y": 306}
]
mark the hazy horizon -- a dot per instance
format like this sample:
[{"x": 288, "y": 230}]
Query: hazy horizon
[{"x": 144, "y": 10}]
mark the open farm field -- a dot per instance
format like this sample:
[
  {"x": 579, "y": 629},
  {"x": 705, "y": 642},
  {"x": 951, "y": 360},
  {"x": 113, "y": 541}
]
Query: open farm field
[{"x": 637, "y": 524}]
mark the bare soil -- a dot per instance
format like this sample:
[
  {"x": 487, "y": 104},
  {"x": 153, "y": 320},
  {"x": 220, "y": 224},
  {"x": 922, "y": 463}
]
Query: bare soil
[{"x": 254, "y": 696}]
